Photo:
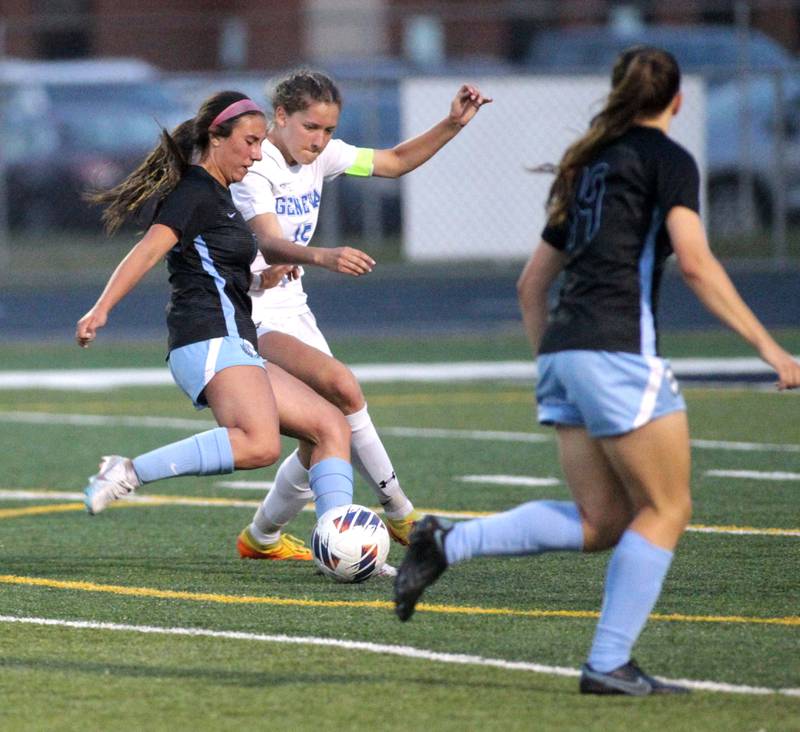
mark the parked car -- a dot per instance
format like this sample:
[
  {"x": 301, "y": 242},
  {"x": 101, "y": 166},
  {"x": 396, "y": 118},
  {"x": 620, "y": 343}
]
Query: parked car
[
  {"x": 753, "y": 151},
  {"x": 742, "y": 167},
  {"x": 716, "y": 50},
  {"x": 68, "y": 127}
]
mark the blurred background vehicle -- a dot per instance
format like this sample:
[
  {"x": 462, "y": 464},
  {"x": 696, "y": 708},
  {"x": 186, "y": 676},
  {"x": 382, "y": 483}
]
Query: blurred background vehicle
[
  {"x": 754, "y": 152},
  {"x": 715, "y": 50},
  {"x": 73, "y": 118},
  {"x": 69, "y": 127},
  {"x": 753, "y": 103}
]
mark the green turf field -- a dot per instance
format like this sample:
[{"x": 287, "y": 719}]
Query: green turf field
[{"x": 156, "y": 623}]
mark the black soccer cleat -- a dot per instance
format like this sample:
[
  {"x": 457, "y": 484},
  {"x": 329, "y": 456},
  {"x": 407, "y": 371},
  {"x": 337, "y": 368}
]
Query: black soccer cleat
[
  {"x": 423, "y": 564},
  {"x": 627, "y": 679}
]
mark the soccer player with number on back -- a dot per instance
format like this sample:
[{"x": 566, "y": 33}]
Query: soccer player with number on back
[{"x": 625, "y": 197}]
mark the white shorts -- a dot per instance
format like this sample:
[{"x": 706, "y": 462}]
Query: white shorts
[
  {"x": 303, "y": 327},
  {"x": 608, "y": 393},
  {"x": 193, "y": 366}
]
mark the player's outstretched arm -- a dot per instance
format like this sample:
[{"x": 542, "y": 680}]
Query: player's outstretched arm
[
  {"x": 403, "y": 158},
  {"x": 158, "y": 240},
  {"x": 707, "y": 278},
  {"x": 279, "y": 250}
]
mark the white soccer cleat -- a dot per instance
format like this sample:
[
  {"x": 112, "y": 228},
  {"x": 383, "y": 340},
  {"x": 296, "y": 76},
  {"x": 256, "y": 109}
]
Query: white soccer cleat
[
  {"x": 115, "y": 479},
  {"x": 387, "y": 570}
]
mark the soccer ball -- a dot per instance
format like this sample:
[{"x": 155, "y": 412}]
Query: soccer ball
[{"x": 350, "y": 543}]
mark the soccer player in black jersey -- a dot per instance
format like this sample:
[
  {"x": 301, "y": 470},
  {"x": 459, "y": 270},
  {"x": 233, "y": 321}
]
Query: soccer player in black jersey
[
  {"x": 624, "y": 198},
  {"x": 212, "y": 338}
]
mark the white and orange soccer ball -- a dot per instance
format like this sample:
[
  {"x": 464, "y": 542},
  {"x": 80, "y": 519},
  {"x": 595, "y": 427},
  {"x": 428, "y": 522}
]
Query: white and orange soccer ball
[{"x": 350, "y": 543}]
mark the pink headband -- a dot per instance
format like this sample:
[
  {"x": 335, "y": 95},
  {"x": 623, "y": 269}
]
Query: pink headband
[{"x": 234, "y": 110}]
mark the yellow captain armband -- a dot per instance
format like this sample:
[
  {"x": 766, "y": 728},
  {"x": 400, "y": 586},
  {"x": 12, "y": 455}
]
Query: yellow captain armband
[{"x": 364, "y": 162}]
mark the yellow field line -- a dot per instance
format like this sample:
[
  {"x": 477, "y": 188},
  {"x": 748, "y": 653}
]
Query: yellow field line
[
  {"x": 167, "y": 500},
  {"x": 34, "y": 510},
  {"x": 703, "y": 528},
  {"x": 11, "y": 579},
  {"x": 184, "y": 595}
]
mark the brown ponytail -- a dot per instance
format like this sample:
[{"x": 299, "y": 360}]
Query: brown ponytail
[
  {"x": 644, "y": 81},
  {"x": 161, "y": 170}
]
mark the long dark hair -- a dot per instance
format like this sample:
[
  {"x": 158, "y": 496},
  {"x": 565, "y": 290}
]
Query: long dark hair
[
  {"x": 298, "y": 89},
  {"x": 164, "y": 166},
  {"x": 644, "y": 81}
]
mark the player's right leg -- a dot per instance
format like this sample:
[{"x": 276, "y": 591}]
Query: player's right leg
[
  {"x": 304, "y": 414},
  {"x": 633, "y": 410},
  {"x": 653, "y": 464},
  {"x": 305, "y": 354},
  {"x": 532, "y": 528},
  {"x": 238, "y": 389},
  {"x": 599, "y": 495},
  {"x": 324, "y": 448},
  {"x": 592, "y": 522}
]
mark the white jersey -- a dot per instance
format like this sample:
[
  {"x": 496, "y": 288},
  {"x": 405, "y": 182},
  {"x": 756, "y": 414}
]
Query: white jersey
[{"x": 293, "y": 194}]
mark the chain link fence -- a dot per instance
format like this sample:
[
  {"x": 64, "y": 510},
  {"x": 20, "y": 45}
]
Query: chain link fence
[{"x": 64, "y": 132}]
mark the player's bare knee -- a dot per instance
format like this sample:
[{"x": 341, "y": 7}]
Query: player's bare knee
[
  {"x": 263, "y": 451},
  {"x": 673, "y": 512},
  {"x": 335, "y": 430},
  {"x": 604, "y": 535},
  {"x": 603, "y": 529},
  {"x": 328, "y": 428},
  {"x": 342, "y": 389},
  {"x": 679, "y": 512}
]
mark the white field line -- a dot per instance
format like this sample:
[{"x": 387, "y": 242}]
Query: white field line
[
  {"x": 103, "y": 379},
  {"x": 34, "y": 495},
  {"x": 508, "y": 480},
  {"x": 741, "y": 531},
  {"x": 164, "y": 500},
  {"x": 247, "y": 485},
  {"x": 101, "y": 420},
  {"x": 744, "y": 446},
  {"x": 491, "y": 435},
  {"x": 752, "y": 474},
  {"x": 462, "y": 659}
]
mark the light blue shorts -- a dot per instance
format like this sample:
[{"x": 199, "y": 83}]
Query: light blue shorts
[
  {"x": 193, "y": 366},
  {"x": 608, "y": 393}
]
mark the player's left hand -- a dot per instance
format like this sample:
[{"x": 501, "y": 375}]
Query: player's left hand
[
  {"x": 88, "y": 325},
  {"x": 346, "y": 260},
  {"x": 785, "y": 365},
  {"x": 466, "y": 104}
]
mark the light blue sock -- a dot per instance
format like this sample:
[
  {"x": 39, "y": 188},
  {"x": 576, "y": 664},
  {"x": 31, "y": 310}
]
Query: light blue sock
[
  {"x": 532, "y": 528},
  {"x": 633, "y": 583},
  {"x": 331, "y": 482},
  {"x": 208, "y": 453}
]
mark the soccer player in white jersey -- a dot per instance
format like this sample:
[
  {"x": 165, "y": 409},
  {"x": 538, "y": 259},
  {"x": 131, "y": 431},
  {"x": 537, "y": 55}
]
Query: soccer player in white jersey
[{"x": 280, "y": 199}]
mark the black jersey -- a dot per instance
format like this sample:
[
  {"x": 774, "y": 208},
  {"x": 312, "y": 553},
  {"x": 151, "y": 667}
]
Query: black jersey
[
  {"x": 616, "y": 242},
  {"x": 209, "y": 267}
]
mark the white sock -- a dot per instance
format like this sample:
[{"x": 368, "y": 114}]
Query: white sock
[
  {"x": 286, "y": 499},
  {"x": 369, "y": 457}
]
